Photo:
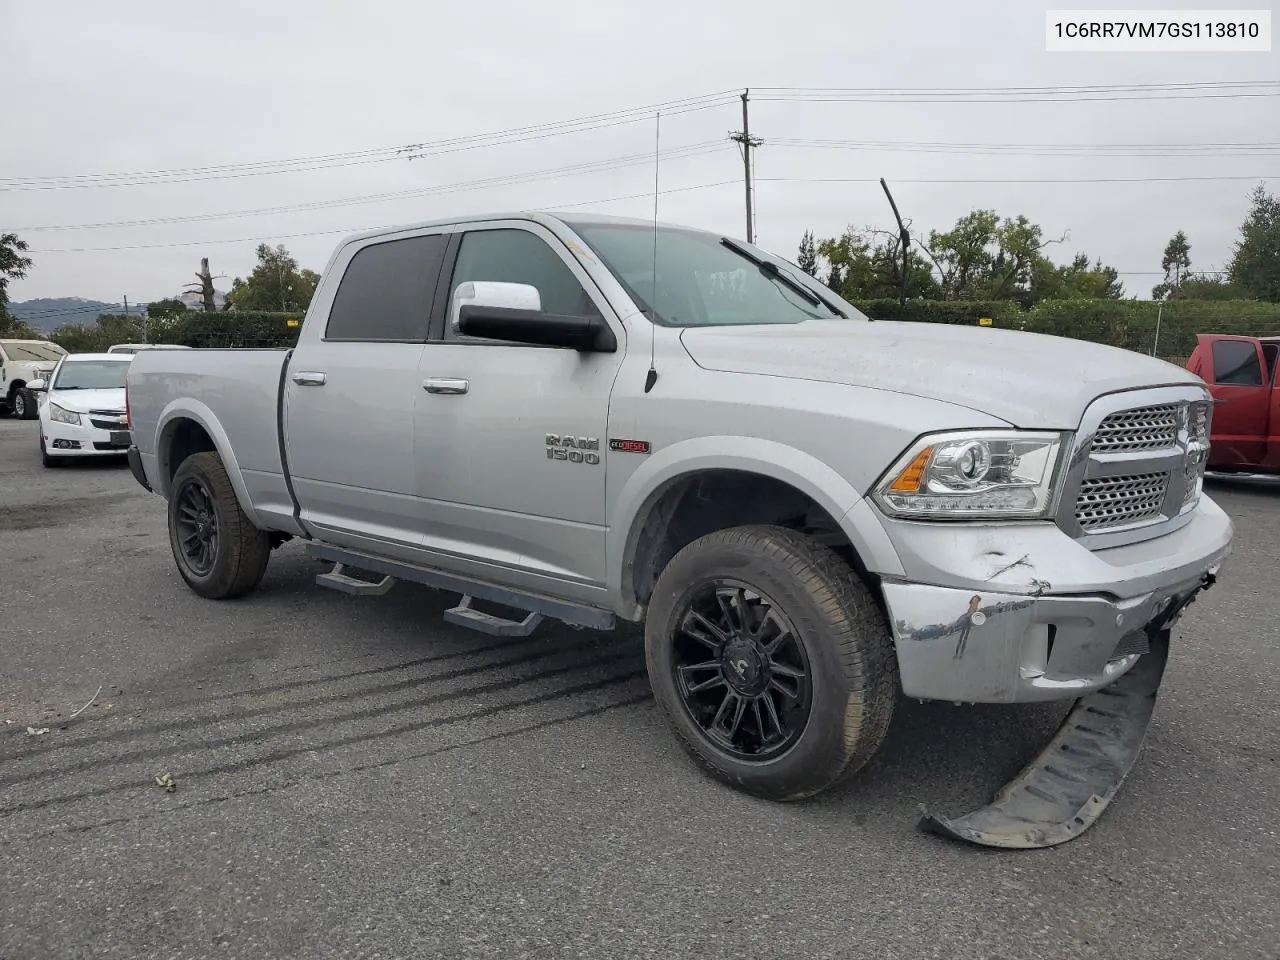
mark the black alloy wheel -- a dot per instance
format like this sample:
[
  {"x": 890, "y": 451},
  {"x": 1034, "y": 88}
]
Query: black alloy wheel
[
  {"x": 197, "y": 526},
  {"x": 741, "y": 671}
]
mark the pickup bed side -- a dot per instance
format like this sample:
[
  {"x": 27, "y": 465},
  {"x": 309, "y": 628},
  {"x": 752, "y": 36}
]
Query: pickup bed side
[{"x": 173, "y": 396}]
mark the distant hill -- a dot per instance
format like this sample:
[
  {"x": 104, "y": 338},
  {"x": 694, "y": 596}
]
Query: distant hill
[{"x": 49, "y": 313}]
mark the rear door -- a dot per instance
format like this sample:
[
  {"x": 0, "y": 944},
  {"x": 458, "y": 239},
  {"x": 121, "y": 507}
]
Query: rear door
[
  {"x": 1240, "y": 380},
  {"x": 350, "y": 392}
]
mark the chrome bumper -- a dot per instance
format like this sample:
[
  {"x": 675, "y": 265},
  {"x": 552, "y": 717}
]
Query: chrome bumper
[{"x": 990, "y": 639}]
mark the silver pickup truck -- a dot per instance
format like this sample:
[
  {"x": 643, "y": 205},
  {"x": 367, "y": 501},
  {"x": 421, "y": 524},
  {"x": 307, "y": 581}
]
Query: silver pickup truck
[{"x": 588, "y": 418}]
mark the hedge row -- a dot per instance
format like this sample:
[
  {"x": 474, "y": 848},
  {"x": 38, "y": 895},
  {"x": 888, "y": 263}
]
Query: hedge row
[
  {"x": 1121, "y": 323},
  {"x": 241, "y": 328}
]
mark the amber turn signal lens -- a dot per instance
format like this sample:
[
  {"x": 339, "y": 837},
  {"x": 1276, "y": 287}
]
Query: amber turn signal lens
[{"x": 910, "y": 479}]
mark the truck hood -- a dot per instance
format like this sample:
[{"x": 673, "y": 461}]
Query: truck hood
[
  {"x": 82, "y": 401},
  {"x": 30, "y": 369},
  {"x": 1029, "y": 380}
]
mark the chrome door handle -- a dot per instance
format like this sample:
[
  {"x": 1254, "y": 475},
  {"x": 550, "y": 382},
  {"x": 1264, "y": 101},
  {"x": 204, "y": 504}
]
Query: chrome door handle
[
  {"x": 309, "y": 378},
  {"x": 445, "y": 385}
]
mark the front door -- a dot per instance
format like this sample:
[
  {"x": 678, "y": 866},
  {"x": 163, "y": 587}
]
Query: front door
[
  {"x": 1239, "y": 380},
  {"x": 511, "y": 439},
  {"x": 349, "y": 398}
]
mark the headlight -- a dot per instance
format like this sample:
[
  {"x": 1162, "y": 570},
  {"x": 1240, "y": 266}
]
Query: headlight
[
  {"x": 974, "y": 474},
  {"x": 62, "y": 416}
]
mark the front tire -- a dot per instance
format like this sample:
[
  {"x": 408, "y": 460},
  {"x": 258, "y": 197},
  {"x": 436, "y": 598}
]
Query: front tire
[
  {"x": 771, "y": 660},
  {"x": 219, "y": 552},
  {"x": 45, "y": 458}
]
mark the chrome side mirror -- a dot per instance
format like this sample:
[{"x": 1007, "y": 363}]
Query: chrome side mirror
[{"x": 492, "y": 293}]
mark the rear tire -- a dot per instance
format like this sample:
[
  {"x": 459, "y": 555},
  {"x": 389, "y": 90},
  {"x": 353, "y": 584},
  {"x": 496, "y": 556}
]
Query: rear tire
[
  {"x": 219, "y": 552},
  {"x": 810, "y": 659}
]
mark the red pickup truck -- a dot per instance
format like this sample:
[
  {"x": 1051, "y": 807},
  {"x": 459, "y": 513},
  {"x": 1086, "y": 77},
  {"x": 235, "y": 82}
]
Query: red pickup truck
[{"x": 1241, "y": 374}]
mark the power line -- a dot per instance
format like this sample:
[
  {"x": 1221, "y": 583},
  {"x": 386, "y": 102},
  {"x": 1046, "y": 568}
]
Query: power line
[
  {"x": 631, "y": 115},
  {"x": 1009, "y": 180},
  {"x": 588, "y": 167},
  {"x": 1095, "y": 94},
  {"x": 360, "y": 157},
  {"x": 1064, "y": 89},
  {"x": 1171, "y": 150},
  {"x": 358, "y": 229}
]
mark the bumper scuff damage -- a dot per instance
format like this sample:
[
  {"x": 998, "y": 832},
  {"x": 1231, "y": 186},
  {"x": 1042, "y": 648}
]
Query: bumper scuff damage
[
  {"x": 991, "y": 647},
  {"x": 1066, "y": 788}
]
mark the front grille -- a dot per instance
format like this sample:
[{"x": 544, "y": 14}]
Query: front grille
[
  {"x": 1106, "y": 502},
  {"x": 1143, "y": 428},
  {"x": 112, "y": 424},
  {"x": 110, "y": 446}
]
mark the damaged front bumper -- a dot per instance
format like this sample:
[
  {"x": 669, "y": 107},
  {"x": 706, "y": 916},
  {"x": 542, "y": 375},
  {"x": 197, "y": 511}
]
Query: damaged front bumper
[{"x": 1055, "y": 622}]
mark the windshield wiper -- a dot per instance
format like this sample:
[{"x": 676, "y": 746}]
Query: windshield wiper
[{"x": 771, "y": 270}]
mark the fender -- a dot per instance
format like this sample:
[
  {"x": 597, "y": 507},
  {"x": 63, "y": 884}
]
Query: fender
[
  {"x": 751, "y": 455},
  {"x": 187, "y": 408}
]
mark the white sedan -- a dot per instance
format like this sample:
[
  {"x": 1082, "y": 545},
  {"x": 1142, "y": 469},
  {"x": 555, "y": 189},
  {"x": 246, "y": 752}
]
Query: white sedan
[{"x": 81, "y": 407}]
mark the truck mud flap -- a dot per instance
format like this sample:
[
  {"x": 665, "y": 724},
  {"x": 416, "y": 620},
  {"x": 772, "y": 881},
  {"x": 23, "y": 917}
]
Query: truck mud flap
[{"x": 1065, "y": 789}]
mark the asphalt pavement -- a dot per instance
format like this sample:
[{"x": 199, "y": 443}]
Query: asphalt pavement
[{"x": 355, "y": 778}]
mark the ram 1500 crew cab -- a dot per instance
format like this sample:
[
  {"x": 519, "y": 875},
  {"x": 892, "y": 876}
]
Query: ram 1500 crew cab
[{"x": 590, "y": 418}]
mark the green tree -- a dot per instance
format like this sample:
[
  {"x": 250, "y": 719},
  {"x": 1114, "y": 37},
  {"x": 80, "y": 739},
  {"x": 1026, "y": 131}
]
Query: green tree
[
  {"x": 1176, "y": 264},
  {"x": 1255, "y": 263},
  {"x": 13, "y": 266},
  {"x": 276, "y": 283},
  {"x": 962, "y": 255},
  {"x": 1196, "y": 286},
  {"x": 867, "y": 265},
  {"x": 1074, "y": 281},
  {"x": 808, "y": 257},
  {"x": 109, "y": 328},
  {"x": 166, "y": 308}
]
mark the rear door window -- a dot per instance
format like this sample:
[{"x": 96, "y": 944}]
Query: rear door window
[
  {"x": 387, "y": 290},
  {"x": 1236, "y": 362}
]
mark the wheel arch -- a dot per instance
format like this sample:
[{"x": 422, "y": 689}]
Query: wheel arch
[
  {"x": 749, "y": 480},
  {"x": 186, "y": 427}
]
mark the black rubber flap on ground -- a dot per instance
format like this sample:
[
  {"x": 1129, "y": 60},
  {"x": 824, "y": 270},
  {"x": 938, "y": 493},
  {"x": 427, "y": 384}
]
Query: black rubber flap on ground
[{"x": 1065, "y": 789}]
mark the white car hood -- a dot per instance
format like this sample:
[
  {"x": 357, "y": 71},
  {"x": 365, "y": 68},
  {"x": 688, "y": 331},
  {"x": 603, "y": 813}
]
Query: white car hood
[
  {"x": 1029, "y": 380},
  {"x": 82, "y": 401}
]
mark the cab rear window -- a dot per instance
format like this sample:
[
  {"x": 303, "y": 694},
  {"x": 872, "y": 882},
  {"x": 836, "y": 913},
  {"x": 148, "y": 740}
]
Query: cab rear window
[{"x": 386, "y": 291}]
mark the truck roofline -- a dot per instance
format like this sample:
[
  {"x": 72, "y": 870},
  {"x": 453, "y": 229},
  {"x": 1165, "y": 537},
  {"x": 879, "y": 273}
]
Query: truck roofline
[{"x": 551, "y": 219}]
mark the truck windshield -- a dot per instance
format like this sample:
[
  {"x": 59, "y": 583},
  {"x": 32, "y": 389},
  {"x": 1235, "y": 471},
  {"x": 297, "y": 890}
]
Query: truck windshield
[
  {"x": 21, "y": 351},
  {"x": 707, "y": 280},
  {"x": 92, "y": 375}
]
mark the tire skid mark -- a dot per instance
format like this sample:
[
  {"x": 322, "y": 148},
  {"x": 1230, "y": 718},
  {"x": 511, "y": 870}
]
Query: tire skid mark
[
  {"x": 366, "y": 672},
  {"x": 330, "y": 774},
  {"x": 401, "y": 730},
  {"x": 475, "y": 648},
  {"x": 298, "y": 726},
  {"x": 251, "y": 713}
]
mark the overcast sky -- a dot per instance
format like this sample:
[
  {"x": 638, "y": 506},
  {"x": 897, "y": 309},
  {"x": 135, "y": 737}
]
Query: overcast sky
[{"x": 141, "y": 86}]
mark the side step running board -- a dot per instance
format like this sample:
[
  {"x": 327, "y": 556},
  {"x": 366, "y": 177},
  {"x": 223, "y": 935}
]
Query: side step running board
[
  {"x": 464, "y": 614},
  {"x": 1064, "y": 790},
  {"x": 338, "y": 579}
]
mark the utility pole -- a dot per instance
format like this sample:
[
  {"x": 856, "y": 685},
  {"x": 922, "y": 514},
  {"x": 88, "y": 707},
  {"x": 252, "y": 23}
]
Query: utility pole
[{"x": 747, "y": 142}]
